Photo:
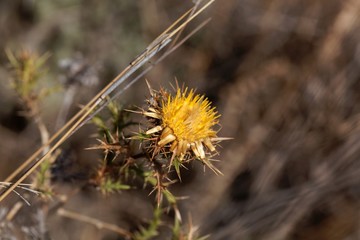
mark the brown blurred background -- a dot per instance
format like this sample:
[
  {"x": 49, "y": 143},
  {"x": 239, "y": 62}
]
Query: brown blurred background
[{"x": 285, "y": 75}]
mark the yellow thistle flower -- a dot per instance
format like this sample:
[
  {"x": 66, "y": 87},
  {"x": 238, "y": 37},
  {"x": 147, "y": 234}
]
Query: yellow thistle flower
[{"x": 183, "y": 125}]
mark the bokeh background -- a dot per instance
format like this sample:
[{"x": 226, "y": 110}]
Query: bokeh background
[{"x": 285, "y": 76}]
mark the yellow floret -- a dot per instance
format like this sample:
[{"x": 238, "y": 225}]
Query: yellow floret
[{"x": 189, "y": 116}]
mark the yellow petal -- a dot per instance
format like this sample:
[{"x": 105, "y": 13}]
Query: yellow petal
[
  {"x": 182, "y": 146},
  {"x": 152, "y": 115},
  {"x": 200, "y": 149},
  {"x": 169, "y": 138},
  {"x": 209, "y": 144},
  {"x": 154, "y": 130}
]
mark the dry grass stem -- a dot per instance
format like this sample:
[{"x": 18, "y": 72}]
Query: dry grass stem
[
  {"x": 78, "y": 119},
  {"x": 93, "y": 221}
]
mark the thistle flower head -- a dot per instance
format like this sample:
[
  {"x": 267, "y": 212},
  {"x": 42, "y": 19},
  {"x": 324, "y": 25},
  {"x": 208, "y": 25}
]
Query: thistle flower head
[
  {"x": 183, "y": 124},
  {"x": 189, "y": 116}
]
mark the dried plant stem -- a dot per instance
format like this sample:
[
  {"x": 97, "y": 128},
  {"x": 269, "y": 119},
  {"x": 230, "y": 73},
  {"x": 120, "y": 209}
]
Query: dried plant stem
[
  {"x": 78, "y": 119},
  {"x": 142, "y": 74},
  {"x": 38, "y": 152},
  {"x": 78, "y": 114},
  {"x": 44, "y": 133},
  {"x": 95, "y": 222},
  {"x": 197, "y": 3}
]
